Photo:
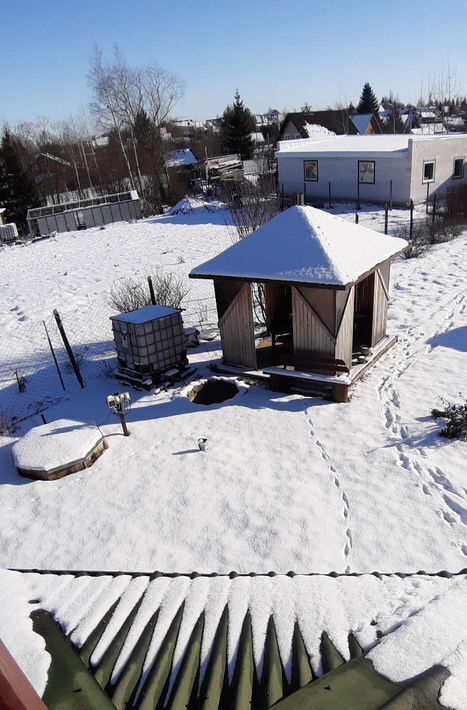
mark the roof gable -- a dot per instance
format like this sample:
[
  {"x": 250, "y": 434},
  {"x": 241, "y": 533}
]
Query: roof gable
[
  {"x": 304, "y": 245},
  {"x": 337, "y": 121}
]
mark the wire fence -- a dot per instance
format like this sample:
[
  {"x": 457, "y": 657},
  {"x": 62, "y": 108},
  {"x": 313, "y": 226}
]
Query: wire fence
[{"x": 35, "y": 370}]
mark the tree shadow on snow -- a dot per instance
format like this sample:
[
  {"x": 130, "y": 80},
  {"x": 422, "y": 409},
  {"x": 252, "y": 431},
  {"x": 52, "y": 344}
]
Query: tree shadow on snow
[
  {"x": 196, "y": 218},
  {"x": 455, "y": 339}
]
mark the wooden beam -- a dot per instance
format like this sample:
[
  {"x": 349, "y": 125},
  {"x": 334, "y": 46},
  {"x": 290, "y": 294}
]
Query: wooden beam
[
  {"x": 16, "y": 692},
  {"x": 315, "y": 313},
  {"x": 383, "y": 285},
  {"x": 343, "y": 311}
]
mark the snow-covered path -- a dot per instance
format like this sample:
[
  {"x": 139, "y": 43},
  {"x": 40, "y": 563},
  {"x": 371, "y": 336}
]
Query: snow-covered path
[{"x": 288, "y": 483}]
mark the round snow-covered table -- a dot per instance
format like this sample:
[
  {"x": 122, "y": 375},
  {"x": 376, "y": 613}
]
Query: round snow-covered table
[{"x": 57, "y": 449}]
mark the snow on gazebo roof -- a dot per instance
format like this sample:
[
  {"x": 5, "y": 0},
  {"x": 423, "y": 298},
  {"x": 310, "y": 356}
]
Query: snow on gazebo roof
[{"x": 304, "y": 245}]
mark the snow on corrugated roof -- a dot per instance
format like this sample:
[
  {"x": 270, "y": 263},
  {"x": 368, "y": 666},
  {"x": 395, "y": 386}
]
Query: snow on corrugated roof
[{"x": 304, "y": 245}]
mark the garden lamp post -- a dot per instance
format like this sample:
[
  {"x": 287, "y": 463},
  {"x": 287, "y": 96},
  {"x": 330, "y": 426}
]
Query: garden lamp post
[{"x": 119, "y": 403}]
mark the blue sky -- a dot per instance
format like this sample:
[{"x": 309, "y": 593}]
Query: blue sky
[{"x": 277, "y": 53}]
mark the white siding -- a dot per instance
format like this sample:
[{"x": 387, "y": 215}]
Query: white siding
[
  {"x": 443, "y": 150},
  {"x": 341, "y": 171}
]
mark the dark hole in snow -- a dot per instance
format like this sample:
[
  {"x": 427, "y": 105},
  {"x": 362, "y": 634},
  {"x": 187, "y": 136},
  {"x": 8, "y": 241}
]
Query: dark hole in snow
[{"x": 213, "y": 392}]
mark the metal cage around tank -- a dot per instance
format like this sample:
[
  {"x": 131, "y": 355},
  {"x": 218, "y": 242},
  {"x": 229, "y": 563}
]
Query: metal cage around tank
[{"x": 149, "y": 340}]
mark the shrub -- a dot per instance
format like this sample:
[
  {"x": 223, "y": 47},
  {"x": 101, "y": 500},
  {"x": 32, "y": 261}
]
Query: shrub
[
  {"x": 128, "y": 294},
  {"x": 426, "y": 233},
  {"x": 456, "y": 416}
]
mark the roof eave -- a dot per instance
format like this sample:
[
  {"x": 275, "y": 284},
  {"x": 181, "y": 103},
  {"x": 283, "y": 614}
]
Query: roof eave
[
  {"x": 251, "y": 279},
  {"x": 337, "y": 286}
]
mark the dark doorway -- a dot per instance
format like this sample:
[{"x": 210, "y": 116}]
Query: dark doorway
[
  {"x": 363, "y": 315},
  {"x": 276, "y": 347}
]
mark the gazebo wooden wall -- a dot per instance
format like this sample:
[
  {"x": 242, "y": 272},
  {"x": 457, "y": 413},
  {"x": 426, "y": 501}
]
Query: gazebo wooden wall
[
  {"x": 323, "y": 318},
  {"x": 380, "y": 303},
  {"x": 323, "y": 322},
  {"x": 235, "y": 313}
]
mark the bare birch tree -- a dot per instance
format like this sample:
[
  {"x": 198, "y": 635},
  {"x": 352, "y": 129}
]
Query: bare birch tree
[{"x": 136, "y": 102}]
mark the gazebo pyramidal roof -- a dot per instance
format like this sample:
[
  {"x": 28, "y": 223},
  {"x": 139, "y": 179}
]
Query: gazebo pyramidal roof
[{"x": 304, "y": 245}]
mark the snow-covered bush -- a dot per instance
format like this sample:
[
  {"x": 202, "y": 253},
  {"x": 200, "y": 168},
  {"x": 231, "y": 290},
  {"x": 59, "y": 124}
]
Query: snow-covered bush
[
  {"x": 128, "y": 294},
  {"x": 426, "y": 233},
  {"x": 456, "y": 416}
]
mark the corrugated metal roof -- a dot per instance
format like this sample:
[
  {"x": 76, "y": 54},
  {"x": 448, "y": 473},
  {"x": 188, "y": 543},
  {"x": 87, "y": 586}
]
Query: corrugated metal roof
[{"x": 177, "y": 642}]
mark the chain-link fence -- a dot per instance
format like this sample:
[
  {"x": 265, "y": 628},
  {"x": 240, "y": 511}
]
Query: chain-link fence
[{"x": 35, "y": 369}]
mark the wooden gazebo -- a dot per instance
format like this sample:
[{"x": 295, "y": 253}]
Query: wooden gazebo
[{"x": 324, "y": 283}]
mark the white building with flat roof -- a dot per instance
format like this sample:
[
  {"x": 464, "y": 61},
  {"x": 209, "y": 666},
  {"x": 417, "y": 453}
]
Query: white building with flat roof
[{"x": 372, "y": 168}]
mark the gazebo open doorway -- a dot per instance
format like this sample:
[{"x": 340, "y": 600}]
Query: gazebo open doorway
[
  {"x": 363, "y": 312},
  {"x": 275, "y": 347}
]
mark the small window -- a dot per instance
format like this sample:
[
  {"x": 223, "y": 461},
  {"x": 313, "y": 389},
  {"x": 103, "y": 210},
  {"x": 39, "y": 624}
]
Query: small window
[
  {"x": 311, "y": 170},
  {"x": 366, "y": 171},
  {"x": 429, "y": 171},
  {"x": 458, "y": 171}
]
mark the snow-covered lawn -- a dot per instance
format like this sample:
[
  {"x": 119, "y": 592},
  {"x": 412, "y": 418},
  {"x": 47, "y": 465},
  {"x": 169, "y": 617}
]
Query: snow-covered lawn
[{"x": 288, "y": 483}]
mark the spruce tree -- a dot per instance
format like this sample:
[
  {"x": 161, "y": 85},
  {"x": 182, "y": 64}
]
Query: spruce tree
[
  {"x": 238, "y": 123},
  {"x": 368, "y": 102},
  {"x": 17, "y": 189}
]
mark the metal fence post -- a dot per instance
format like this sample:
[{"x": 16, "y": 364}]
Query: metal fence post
[
  {"x": 68, "y": 349},
  {"x": 411, "y": 219},
  {"x": 356, "y": 217},
  {"x": 54, "y": 356},
  {"x": 151, "y": 291},
  {"x": 386, "y": 214}
]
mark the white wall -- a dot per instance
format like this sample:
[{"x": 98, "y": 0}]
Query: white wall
[
  {"x": 443, "y": 149},
  {"x": 342, "y": 172},
  {"x": 290, "y": 132}
]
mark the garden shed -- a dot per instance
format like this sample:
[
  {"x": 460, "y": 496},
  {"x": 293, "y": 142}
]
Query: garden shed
[{"x": 324, "y": 290}]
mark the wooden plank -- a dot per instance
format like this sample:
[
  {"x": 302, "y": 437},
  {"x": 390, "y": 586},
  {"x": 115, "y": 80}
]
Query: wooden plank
[
  {"x": 16, "y": 692},
  {"x": 357, "y": 372},
  {"x": 344, "y": 340},
  {"x": 309, "y": 333},
  {"x": 380, "y": 308},
  {"x": 237, "y": 330},
  {"x": 308, "y": 376}
]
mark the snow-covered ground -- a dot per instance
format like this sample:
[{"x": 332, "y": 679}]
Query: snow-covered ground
[{"x": 287, "y": 483}]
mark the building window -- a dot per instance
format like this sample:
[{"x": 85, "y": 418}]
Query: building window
[
  {"x": 428, "y": 171},
  {"x": 366, "y": 171},
  {"x": 311, "y": 170},
  {"x": 458, "y": 170}
]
